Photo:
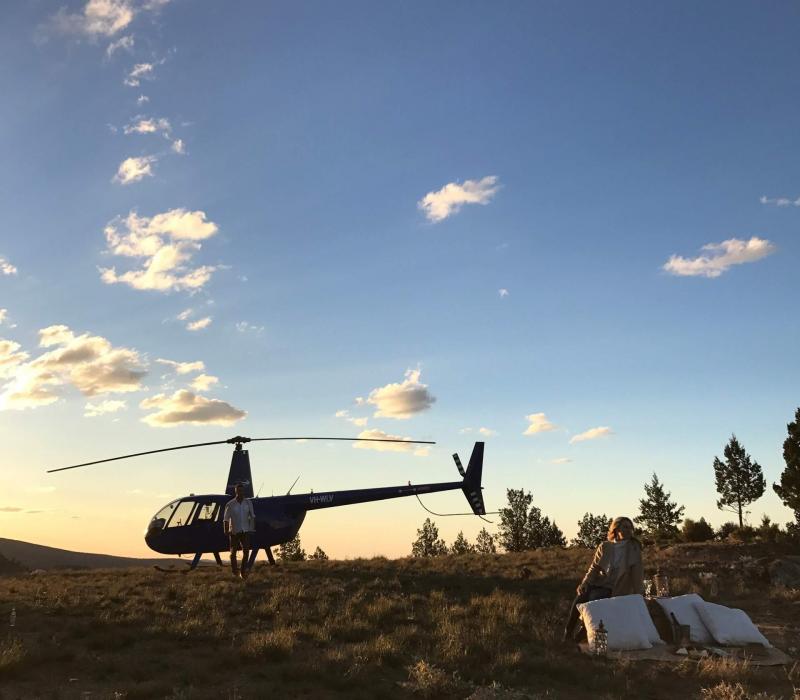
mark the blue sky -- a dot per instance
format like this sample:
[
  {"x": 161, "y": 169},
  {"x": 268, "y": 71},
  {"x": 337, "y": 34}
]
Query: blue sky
[{"x": 273, "y": 179}]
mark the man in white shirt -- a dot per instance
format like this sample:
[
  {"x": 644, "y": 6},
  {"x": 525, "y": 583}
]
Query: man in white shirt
[{"x": 239, "y": 521}]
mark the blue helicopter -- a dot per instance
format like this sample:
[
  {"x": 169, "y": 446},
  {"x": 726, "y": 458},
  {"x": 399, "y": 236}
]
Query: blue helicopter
[{"x": 193, "y": 524}]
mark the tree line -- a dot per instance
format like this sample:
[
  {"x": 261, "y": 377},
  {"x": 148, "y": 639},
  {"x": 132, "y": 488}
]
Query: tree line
[{"x": 739, "y": 483}]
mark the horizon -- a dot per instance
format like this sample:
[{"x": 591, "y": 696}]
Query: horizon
[{"x": 568, "y": 231}]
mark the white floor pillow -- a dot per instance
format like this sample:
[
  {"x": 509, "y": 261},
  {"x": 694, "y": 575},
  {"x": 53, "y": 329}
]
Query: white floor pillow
[
  {"x": 730, "y": 626},
  {"x": 625, "y": 617},
  {"x": 683, "y": 607}
]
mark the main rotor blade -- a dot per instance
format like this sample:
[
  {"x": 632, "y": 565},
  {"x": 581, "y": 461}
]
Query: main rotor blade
[
  {"x": 137, "y": 454},
  {"x": 348, "y": 439}
]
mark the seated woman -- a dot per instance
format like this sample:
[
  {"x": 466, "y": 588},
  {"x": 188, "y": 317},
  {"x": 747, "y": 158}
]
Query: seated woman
[{"x": 615, "y": 570}]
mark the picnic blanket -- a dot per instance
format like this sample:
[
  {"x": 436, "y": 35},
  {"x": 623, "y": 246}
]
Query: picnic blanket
[{"x": 756, "y": 655}]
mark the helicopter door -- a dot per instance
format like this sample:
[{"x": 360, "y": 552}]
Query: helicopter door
[{"x": 182, "y": 514}]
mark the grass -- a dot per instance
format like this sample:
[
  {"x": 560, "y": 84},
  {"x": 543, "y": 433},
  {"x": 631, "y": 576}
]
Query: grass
[{"x": 469, "y": 626}]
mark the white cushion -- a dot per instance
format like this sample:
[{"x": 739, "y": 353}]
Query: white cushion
[
  {"x": 683, "y": 607},
  {"x": 625, "y": 617},
  {"x": 730, "y": 626}
]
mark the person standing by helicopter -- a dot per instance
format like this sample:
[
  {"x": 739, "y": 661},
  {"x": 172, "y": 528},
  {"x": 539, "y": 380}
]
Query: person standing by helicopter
[{"x": 239, "y": 521}]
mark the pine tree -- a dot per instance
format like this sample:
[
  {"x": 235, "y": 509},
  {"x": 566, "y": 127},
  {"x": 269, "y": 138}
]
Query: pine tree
[
  {"x": 739, "y": 479},
  {"x": 319, "y": 554},
  {"x": 484, "y": 542},
  {"x": 657, "y": 515},
  {"x": 291, "y": 550},
  {"x": 461, "y": 545},
  {"x": 592, "y": 530},
  {"x": 428, "y": 542},
  {"x": 513, "y": 530},
  {"x": 789, "y": 488}
]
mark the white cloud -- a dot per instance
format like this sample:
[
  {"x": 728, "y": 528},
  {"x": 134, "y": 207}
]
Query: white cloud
[
  {"x": 185, "y": 407},
  {"x": 538, "y": 423},
  {"x": 6, "y": 268},
  {"x": 487, "y": 432},
  {"x": 245, "y": 327},
  {"x": 721, "y": 256},
  {"x": 139, "y": 71},
  {"x": 11, "y": 357},
  {"x": 345, "y": 414},
  {"x": 199, "y": 324},
  {"x": 561, "y": 460},
  {"x": 503, "y": 293},
  {"x": 204, "y": 382},
  {"x": 142, "y": 99},
  {"x": 143, "y": 125},
  {"x": 401, "y": 400},
  {"x": 124, "y": 43},
  {"x": 183, "y": 367},
  {"x": 179, "y": 147},
  {"x": 89, "y": 363},
  {"x": 134, "y": 169},
  {"x": 183, "y": 315},
  {"x": 780, "y": 201},
  {"x": 99, "y": 18},
  {"x": 416, "y": 450},
  {"x": 3, "y": 315},
  {"x": 91, "y": 410},
  {"x": 166, "y": 243},
  {"x": 449, "y": 200},
  {"x": 592, "y": 434}
]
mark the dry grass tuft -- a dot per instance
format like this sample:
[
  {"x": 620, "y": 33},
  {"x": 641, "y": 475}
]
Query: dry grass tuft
[
  {"x": 733, "y": 691},
  {"x": 724, "y": 669},
  {"x": 12, "y": 654}
]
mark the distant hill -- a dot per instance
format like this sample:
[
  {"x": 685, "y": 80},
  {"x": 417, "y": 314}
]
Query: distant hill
[{"x": 16, "y": 555}]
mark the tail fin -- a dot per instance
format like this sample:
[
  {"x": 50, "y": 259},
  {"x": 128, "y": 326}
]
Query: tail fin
[
  {"x": 240, "y": 473},
  {"x": 472, "y": 480}
]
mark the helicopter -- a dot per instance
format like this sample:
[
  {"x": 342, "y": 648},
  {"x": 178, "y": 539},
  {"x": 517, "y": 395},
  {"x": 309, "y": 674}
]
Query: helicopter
[{"x": 194, "y": 524}]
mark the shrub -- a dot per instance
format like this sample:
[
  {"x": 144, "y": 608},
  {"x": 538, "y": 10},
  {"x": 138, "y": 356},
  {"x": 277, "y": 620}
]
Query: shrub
[
  {"x": 428, "y": 542},
  {"x": 724, "y": 530},
  {"x": 768, "y": 531},
  {"x": 697, "y": 530},
  {"x": 319, "y": 554},
  {"x": 746, "y": 533}
]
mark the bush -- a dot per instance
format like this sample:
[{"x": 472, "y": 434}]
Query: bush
[
  {"x": 725, "y": 530},
  {"x": 697, "y": 530},
  {"x": 768, "y": 531},
  {"x": 746, "y": 533}
]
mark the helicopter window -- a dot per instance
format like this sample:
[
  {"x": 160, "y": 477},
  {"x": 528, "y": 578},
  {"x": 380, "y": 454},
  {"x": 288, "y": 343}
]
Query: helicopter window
[
  {"x": 165, "y": 512},
  {"x": 206, "y": 512},
  {"x": 182, "y": 514}
]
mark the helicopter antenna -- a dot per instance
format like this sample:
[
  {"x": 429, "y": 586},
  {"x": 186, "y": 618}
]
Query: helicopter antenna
[
  {"x": 238, "y": 441},
  {"x": 293, "y": 483},
  {"x": 259, "y": 489}
]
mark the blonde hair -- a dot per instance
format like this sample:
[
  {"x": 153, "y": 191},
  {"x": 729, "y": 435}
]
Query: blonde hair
[{"x": 614, "y": 526}]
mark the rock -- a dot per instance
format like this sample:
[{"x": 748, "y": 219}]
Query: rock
[{"x": 785, "y": 571}]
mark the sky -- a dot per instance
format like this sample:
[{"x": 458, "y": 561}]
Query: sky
[{"x": 567, "y": 229}]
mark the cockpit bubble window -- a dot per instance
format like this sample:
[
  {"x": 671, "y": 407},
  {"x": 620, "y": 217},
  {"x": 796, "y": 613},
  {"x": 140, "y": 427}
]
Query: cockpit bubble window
[
  {"x": 181, "y": 514},
  {"x": 206, "y": 512},
  {"x": 166, "y": 511}
]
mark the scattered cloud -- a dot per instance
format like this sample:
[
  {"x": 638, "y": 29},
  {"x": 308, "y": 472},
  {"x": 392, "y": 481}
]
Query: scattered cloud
[
  {"x": 245, "y": 327},
  {"x": 142, "y": 99},
  {"x": 720, "y": 257},
  {"x": 416, "y": 450},
  {"x": 780, "y": 201},
  {"x": 179, "y": 147},
  {"x": 484, "y": 432},
  {"x": 183, "y": 315},
  {"x": 166, "y": 243},
  {"x": 561, "y": 460},
  {"x": 10, "y": 509},
  {"x": 538, "y": 423},
  {"x": 591, "y": 434},
  {"x": 183, "y": 367},
  {"x": 3, "y": 315},
  {"x": 134, "y": 169},
  {"x": 503, "y": 293},
  {"x": 204, "y": 382},
  {"x": 98, "y": 18},
  {"x": 401, "y": 400},
  {"x": 10, "y": 357},
  {"x": 6, "y": 268},
  {"x": 345, "y": 414},
  {"x": 92, "y": 410},
  {"x": 199, "y": 324},
  {"x": 89, "y": 363},
  {"x": 139, "y": 72},
  {"x": 184, "y": 407},
  {"x": 124, "y": 43},
  {"x": 143, "y": 125},
  {"x": 449, "y": 200}
]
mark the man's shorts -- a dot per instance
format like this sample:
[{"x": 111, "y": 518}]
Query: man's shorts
[{"x": 239, "y": 540}]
